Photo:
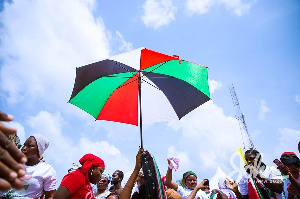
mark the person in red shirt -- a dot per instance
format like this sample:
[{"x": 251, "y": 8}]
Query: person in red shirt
[{"x": 76, "y": 184}]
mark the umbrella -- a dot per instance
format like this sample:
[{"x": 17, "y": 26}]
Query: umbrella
[{"x": 111, "y": 89}]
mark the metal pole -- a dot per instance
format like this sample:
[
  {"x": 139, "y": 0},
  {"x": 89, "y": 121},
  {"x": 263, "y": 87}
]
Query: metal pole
[{"x": 140, "y": 102}]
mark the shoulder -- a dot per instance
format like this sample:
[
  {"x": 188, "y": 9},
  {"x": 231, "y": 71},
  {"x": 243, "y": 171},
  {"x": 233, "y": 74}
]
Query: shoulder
[
  {"x": 272, "y": 173},
  {"x": 45, "y": 166},
  {"x": 74, "y": 175}
]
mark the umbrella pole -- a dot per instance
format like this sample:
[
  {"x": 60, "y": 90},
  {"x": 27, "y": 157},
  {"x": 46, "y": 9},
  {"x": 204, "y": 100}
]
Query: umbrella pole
[{"x": 140, "y": 102}]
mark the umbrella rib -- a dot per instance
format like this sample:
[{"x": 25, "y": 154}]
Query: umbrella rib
[
  {"x": 155, "y": 68},
  {"x": 117, "y": 76},
  {"x": 144, "y": 75},
  {"x": 127, "y": 83},
  {"x": 143, "y": 80},
  {"x": 124, "y": 67},
  {"x": 150, "y": 84}
]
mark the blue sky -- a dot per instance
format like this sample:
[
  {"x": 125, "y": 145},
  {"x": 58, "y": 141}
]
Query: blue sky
[{"x": 253, "y": 45}]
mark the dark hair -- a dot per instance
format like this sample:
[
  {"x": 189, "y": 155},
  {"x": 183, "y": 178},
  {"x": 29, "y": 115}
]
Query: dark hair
[
  {"x": 120, "y": 174},
  {"x": 290, "y": 159},
  {"x": 256, "y": 153},
  {"x": 142, "y": 194}
]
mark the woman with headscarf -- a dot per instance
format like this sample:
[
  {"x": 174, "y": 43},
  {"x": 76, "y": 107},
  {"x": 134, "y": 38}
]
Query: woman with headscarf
[
  {"x": 188, "y": 186},
  {"x": 102, "y": 185},
  {"x": 40, "y": 178},
  {"x": 76, "y": 184},
  {"x": 291, "y": 168}
]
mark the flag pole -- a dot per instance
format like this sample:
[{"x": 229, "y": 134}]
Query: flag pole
[{"x": 140, "y": 102}]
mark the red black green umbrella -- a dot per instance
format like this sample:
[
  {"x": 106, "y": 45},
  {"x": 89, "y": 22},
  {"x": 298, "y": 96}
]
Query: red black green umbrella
[{"x": 111, "y": 89}]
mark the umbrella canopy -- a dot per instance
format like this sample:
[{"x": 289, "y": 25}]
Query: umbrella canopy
[{"x": 111, "y": 89}]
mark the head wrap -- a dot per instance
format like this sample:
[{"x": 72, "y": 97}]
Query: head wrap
[
  {"x": 288, "y": 152},
  {"x": 107, "y": 176},
  {"x": 42, "y": 143},
  {"x": 290, "y": 158},
  {"x": 89, "y": 160}
]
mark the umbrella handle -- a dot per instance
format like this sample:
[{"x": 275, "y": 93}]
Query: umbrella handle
[{"x": 140, "y": 102}]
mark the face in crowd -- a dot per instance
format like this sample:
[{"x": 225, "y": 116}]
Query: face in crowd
[
  {"x": 96, "y": 173},
  {"x": 116, "y": 177},
  {"x": 191, "y": 182},
  {"x": 253, "y": 158},
  {"x": 102, "y": 184},
  {"x": 30, "y": 148}
]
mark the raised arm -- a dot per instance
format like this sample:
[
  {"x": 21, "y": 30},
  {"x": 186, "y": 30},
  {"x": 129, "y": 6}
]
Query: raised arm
[
  {"x": 126, "y": 192},
  {"x": 286, "y": 171},
  {"x": 169, "y": 181}
]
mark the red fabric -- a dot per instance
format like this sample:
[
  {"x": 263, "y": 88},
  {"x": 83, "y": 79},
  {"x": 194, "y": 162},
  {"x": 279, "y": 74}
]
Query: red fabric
[
  {"x": 122, "y": 105},
  {"x": 78, "y": 185},
  {"x": 151, "y": 58},
  {"x": 252, "y": 192},
  {"x": 89, "y": 160},
  {"x": 288, "y": 152}
]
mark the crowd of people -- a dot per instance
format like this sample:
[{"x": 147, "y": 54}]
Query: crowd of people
[{"x": 24, "y": 174}]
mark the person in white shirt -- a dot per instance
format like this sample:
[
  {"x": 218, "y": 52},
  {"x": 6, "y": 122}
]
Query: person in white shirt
[
  {"x": 189, "y": 188},
  {"x": 40, "y": 179},
  {"x": 267, "y": 176}
]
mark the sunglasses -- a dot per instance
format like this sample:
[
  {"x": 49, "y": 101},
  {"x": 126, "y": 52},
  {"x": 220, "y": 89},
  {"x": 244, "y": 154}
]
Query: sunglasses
[{"x": 103, "y": 181}]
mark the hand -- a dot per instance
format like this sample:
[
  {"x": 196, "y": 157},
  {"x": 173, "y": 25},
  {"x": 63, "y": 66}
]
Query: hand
[
  {"x": 232, "y": 185},
  {"x": 251, "y": 170},
  {"x": 11, "y": 159},
  {"x": 169, "y": 162},
  {"x": 202, "y": 186},
  {"x": 283, "y": 169},
  {"x": 138, "y": 161}
]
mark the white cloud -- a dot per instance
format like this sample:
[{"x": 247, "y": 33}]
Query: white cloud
[
  {"x": 158, "y": 13},
  {"x": 118, "y": 42},
  {"x": 42, "y": 44},
  {"x": 297, "y": 98},
  {"x": 209, "y": 131},
  {"x": 263, "y": 110},
  {"x": 198, "y": 6},
  {"x": 238, "y": 7},
  {"x": 214, "y": 85},
  {"x": 288, "y": 140}
]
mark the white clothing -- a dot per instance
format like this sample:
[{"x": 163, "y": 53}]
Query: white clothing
[
  {"x": 185, "y": 192},
  {"x": 270, "y": 172},
  {"x": 39, "y": 178}
]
